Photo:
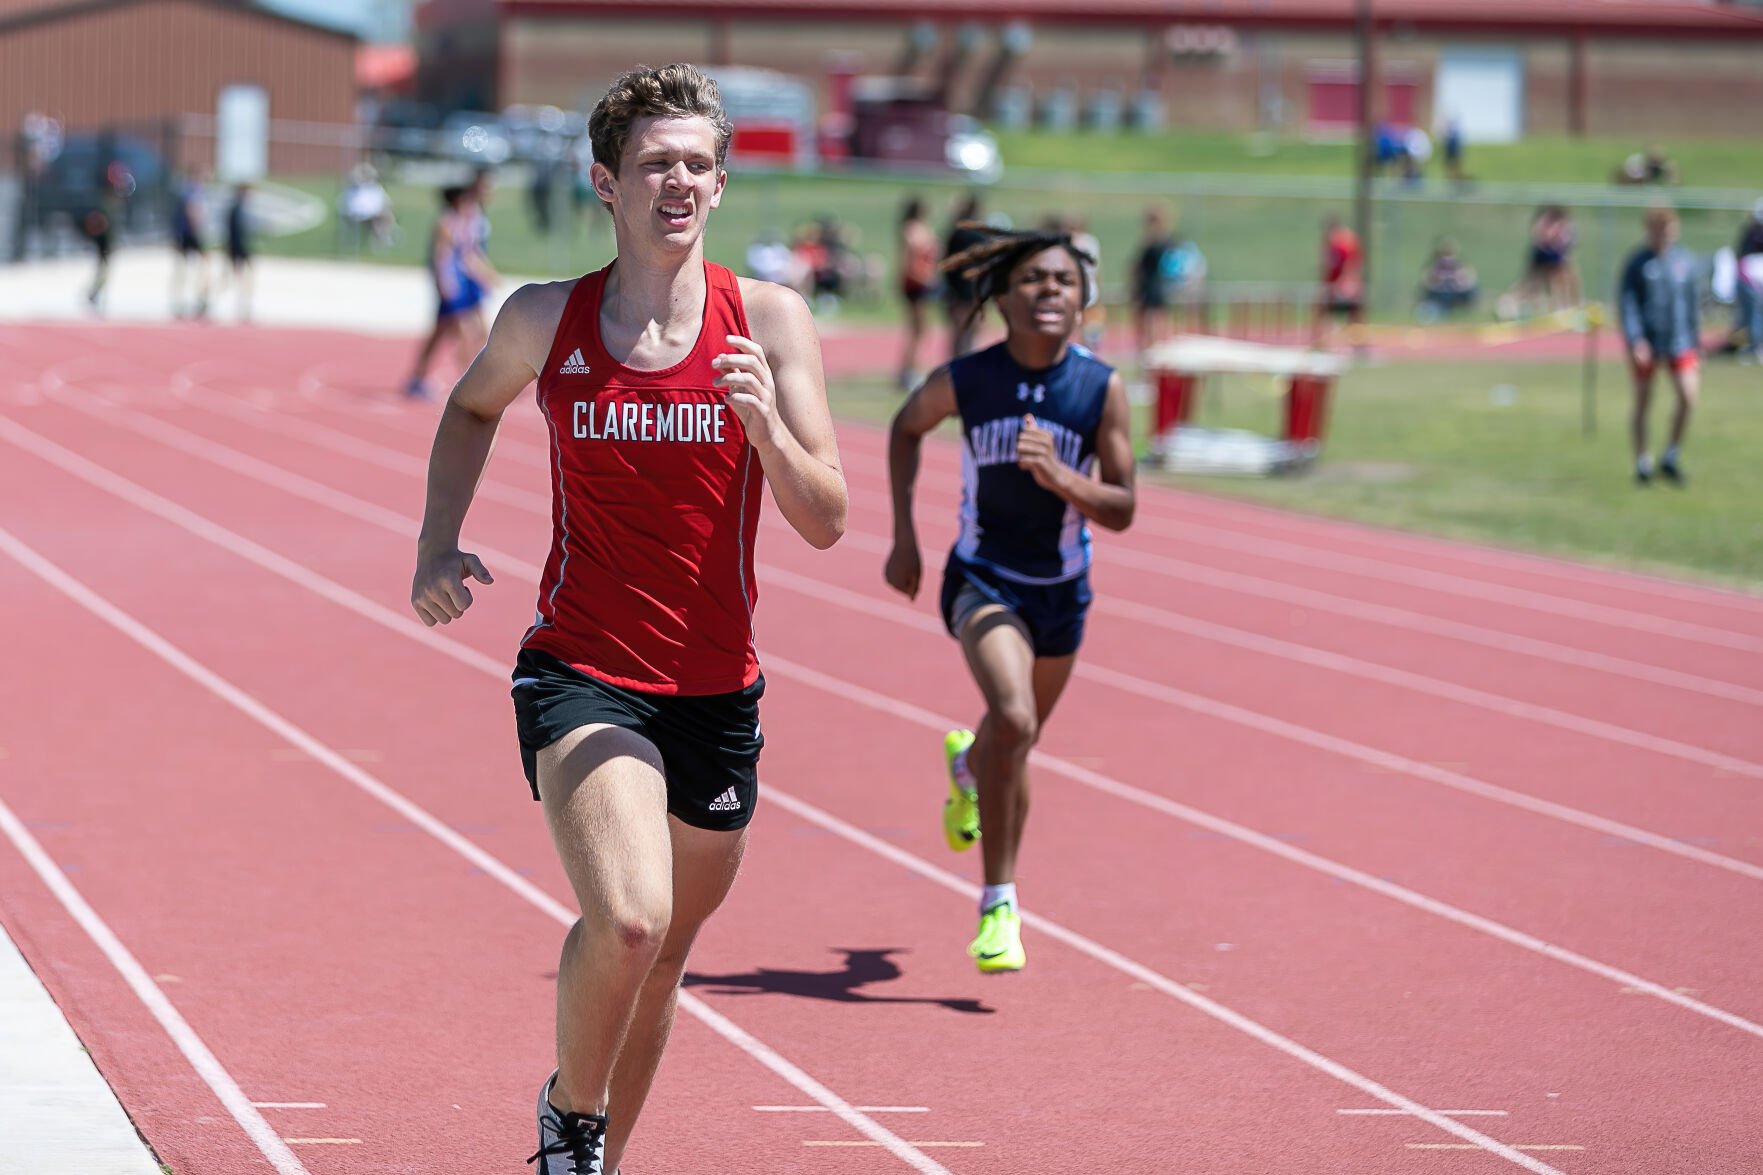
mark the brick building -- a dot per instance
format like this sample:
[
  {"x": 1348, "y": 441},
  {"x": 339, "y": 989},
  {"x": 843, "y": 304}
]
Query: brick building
[
  {"x": 146, "y": 64},
  {"x": 1641, "y": 67}
]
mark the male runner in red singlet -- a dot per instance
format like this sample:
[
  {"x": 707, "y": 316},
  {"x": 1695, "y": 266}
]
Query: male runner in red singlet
[{"x": 672, "y": 389}]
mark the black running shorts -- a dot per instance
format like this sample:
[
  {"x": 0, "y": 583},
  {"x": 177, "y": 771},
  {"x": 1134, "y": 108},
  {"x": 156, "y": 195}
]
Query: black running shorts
[
  {"x": 709, "y": 744},
  {"x": 1054, "y": 613}
]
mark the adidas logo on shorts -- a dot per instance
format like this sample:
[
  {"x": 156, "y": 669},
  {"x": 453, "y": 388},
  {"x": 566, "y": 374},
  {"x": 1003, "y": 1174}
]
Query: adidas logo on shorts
[
  {"x": 726, "y": 802},
  {"x": 574, "y": 365}
]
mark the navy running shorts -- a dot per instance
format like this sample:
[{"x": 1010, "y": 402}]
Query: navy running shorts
[
  {"x": 1054, "y": 613},
  {"x": 709, "y": 744}
]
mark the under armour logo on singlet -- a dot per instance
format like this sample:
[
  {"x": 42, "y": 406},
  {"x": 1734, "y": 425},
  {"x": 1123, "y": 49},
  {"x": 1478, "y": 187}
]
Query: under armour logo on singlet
[{"x": 1025, "y": 393}]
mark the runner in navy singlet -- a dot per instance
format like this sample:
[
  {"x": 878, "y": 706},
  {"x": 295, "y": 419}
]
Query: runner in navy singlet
[{"x": 1046, "y": 449}]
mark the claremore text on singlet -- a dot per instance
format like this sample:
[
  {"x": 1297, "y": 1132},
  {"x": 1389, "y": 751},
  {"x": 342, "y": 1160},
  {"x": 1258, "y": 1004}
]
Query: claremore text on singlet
[{"x": 626, "y": 420}]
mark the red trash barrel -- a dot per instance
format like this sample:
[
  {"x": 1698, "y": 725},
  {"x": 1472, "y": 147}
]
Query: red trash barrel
[
  {"x": 1307, "y": 407},
  {"x": 1175, "y": 400}
]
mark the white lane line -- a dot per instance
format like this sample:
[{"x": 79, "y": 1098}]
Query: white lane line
[
  {"x": 818, "y": 1142},
  {"x": 1167, "y": 502},
  {"x": 1440, "y": 581},
  {"x": 1152, "y": 979},
  {"x": 1436, "y": 687},
  {"x": 1477, "y": 589},
  {"x": 493, "y": 867},
  {"x": 1237, "y": 581},
  {"x": 1290, "y": 731},
  {"x": 151, "y": 641},
  {"x": 863, "y": 1109},
  {"x": 871, "y": 699},
  {"x": 198, "y": 1054},
  {"x": 368, "y": 452},
  {"x": 1458, "y": 1146},
  {"x": 1477, "y": 554},
  {"x": 1392, "y": 616},
  {"x": 290, "y": 1105},
  {"x": 256, "y": 468},
  {"x": 1385, "y": 614},
  {"x": 300, "y": 486},
  {"x": 1446, "y": 1113},
  {"x": 919, "y": 716}
]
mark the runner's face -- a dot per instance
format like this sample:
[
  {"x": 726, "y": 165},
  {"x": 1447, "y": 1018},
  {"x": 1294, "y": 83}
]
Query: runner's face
[
  {"x": 1045, "y": 294},
  {"x": 667, "y": 182}
]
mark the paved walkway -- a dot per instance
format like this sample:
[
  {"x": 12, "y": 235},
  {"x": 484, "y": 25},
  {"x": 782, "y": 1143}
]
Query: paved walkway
[
  {"x": 375, "y": 299},
  {"x": 56, "y": 1111}
]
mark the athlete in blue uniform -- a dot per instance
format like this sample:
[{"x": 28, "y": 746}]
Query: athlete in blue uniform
[
  {"x": 463, "y": 278},
  {"x": 1046, "y": 450}
]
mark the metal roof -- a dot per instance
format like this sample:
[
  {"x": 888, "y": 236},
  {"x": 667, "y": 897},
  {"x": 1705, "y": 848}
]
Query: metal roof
[{"x": 1604, "y": 18}]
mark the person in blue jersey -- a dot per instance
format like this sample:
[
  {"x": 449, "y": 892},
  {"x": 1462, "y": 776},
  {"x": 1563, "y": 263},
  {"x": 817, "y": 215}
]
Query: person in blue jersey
[
  {"x": 1046, "y": 451},
  {"x": 463, "y": 278}
]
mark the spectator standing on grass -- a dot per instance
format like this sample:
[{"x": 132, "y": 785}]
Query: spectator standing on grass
[
  {"x": 960, "y": 304},
  {"x": 1095, "y": 315},
  {"x": 1343, "y": 280},
  {"x": 98, "y": 222},
  {"x": 189, "y": 224},
  {"x": 1550, "y": 279},
  {"x": 238, "y": 248},
  {"x": 1453, "y": 146},
  {"x": 1748, "y": 297},
  {"x": 1152, "y": 287},
  {"x": 367, "y": 207},
  {"x": 1658, "y": 302},
  {"x": 917, "y": 259},
  {"x": 1552, "y": 250}
]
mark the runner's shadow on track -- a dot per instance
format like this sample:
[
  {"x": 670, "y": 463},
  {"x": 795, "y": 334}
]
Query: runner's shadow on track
[{"x": 862, "y": 968}]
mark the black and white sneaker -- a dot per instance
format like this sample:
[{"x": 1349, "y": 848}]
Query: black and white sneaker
[
  {"x": 1672, "y": 471},
  {"x": 569, "y": 1144}
]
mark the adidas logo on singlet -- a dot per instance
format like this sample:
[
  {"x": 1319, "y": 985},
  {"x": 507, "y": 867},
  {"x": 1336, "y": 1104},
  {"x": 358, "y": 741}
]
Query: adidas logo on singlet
[
  {"x": 574, "y": 365},
  {"x": 726, "y": 802}
]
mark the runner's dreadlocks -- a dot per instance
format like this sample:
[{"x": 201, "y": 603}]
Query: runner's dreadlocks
[{"x": 988, "y": 265}]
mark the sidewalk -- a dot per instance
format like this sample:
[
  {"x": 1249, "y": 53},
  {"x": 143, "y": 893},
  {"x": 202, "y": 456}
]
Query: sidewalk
[
  {"x": 387, "y": 300},
  {"x": 56, "y": 1111},
  {"x": 374, "y": 299}
]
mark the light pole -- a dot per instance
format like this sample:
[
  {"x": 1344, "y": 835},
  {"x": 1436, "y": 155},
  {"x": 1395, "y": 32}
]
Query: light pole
[{"x": 1365, "y": 36}]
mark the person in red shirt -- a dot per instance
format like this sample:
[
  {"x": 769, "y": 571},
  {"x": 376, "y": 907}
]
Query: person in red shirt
[
  {"x": 673, "y": 391},
  {"x": 1343, "y": 280},
  {"x": 918, "y": 283}
]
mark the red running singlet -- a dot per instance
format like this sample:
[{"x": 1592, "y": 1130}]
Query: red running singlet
[{"x": 654, "y": 509}]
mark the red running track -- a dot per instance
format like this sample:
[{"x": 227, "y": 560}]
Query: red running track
[{"x": 1339, "y": 834}]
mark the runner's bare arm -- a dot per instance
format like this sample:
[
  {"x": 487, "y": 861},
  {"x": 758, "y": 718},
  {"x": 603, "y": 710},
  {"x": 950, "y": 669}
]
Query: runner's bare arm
[
  {"x": 776, "y": 386},
  {"x": 463, "y": 440},
  {"x": 924, "y": 409},
  {"x": 1107, "y": 500}
]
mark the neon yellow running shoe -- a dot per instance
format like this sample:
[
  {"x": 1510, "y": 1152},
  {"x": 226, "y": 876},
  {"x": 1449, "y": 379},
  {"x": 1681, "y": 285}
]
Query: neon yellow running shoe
[
  {"x": 998, "y": 945},
  {"x": 961, "y": 809}
]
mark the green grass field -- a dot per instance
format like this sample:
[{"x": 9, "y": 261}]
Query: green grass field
[
  {"x": 1255, "y": 215},
  {"x": 1703, "y": 163},
  {"x": 1435, "y": 448},
  {"x": 1428, "y": 447}
]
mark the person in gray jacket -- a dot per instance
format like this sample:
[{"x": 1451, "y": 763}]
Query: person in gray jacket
[{"x": 1658, "y": 301}]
